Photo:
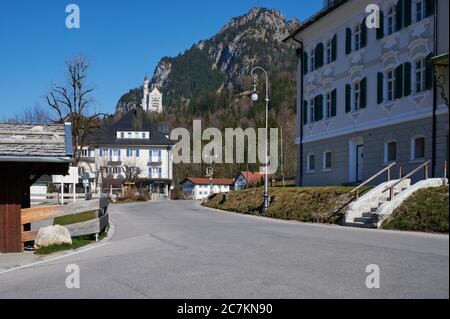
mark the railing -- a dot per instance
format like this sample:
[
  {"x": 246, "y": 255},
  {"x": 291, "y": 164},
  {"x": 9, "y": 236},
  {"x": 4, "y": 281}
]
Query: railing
[
  {"x": 391, "y": 188},
  {"x": 94, "y": 226},
  {"x": 386, "y": 169},
  {"x": 56, "y": 198}
]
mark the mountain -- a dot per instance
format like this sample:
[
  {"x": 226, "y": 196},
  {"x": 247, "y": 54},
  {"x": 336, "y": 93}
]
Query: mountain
[{"x": 222, "y": 61}]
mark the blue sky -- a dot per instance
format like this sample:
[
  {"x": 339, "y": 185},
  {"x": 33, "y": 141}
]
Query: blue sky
[{"x": 123, "y": 39}]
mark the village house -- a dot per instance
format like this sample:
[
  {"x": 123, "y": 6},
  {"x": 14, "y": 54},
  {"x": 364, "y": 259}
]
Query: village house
[
  {"x": 247, "y": 179},
  {"x": 367, "y": 97},
  {"x": 130, "y": 150},
  {"x": 201, "y": 188}
]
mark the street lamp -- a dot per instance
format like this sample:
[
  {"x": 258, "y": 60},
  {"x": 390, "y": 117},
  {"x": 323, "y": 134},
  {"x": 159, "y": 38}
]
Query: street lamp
[
  {"x": 211, "y": 172},
  {"x": 254, "y": 98}
]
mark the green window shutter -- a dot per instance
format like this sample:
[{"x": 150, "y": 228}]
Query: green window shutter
[
  {"x": 429, "y": 74},
  {"x": 305, "y": 63},
  {"x": 363, "y": 93},
  {"x": 320, "y": 108},
  {"x": 407, "y": 83},
  {"x": 380, "y": 30},
  {"x": 318, "y": 59},
  {"x": 305, "y": 112},
  {"x": 348, "y": 41},
  {"x": 429, "y": 7},
  {"x": 363, "y": 34},
  {"x": 317, "y": 108},
  {"x": 333, "y": 102},
  {"x": 399, "y": 15},
  {"x": 399, "y": 81},
  {"x": 348, "y": 98},
  {"x": 334, "y": 48},
  {"x": 380, "y": 92},
  {"x": 407, "y": 12}
]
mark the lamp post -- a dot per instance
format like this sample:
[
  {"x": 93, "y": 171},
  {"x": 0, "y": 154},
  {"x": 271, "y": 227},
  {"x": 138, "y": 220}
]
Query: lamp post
[
  {"x": 211, "y": 172},
  {"x": 255, "y": 97}
]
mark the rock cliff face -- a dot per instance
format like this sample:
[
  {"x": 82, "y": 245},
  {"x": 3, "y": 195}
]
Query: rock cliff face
[{"x": 248, "y": 40}]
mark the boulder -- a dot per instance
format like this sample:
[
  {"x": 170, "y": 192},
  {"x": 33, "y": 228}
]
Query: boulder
[{"x": 52, "y": 235}]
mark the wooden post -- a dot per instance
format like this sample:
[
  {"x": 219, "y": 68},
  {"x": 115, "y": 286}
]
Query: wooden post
[
  {"x": 389, "y": 174},
  {"x": 400, "y": 172},
  {"x": 426, "y": 171},
  {"x": 74, "y": 192},
  {"x": 445, "y": 173},
  {"x": 62, "y": 193},
  {"x": 11, "y": 191}
]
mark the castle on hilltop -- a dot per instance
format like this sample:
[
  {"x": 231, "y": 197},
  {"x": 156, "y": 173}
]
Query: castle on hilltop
[{"x": 152, "y": 100}]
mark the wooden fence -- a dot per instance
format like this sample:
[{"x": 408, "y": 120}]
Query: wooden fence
[{"x": 94, "y": 226}]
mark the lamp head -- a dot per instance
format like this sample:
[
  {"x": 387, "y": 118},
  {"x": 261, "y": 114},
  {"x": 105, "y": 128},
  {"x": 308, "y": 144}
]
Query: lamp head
[{"x": 254, "y": 94}]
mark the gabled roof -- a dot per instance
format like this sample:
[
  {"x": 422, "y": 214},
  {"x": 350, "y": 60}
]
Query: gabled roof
[
  {"x": 134, "y": 120},
  {"x": 252, "y": 178},
  {"x": 35, "y": 143},
  {"x": 207, "y": 181},
  {"x": 315, "y": 18}
]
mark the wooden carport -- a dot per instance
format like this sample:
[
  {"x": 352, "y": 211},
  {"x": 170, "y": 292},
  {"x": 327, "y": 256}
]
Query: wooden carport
[{"x": 27, "y": 152}]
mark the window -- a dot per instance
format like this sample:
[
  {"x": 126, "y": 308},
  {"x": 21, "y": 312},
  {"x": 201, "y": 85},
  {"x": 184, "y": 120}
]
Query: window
[
  {"x": 328, "y": 104},
  {"x": 122, "y": 134},
  {"x": 329, "y": 52},
  {"x": 85, "y": 152},
  {"x": 312, "y": 60},
  {"x": 105, "y": 152},
  {"x": 390, "y": 152},
  {"x": 420, "y": 71},
  {"x": 129, "y": 153},
  {"x": 311, "y": 162},
  {"x": 358, "y": 38},
  {"x": 420, "y": 10},
  {"x": 357, "y": 97},
  {"x": 327, "y": 160},
  {"x": 115, "y": 152},
  {"x": 130, "y": 135},
  {"x": 311, "y": 111},
  {"x": 418, "y": 148},
  {"x": 390, "y": 85},
  {"x": 391, "y": 18}
]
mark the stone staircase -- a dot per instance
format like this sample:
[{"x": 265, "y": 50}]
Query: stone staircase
[
  {"x": 371, "y": 209},
  {"x": 364, "y": 213}
]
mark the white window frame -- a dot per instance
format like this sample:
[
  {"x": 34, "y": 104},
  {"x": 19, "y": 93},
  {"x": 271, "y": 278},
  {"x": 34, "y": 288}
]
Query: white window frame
[
  {"x": 327, "y": 105},
  {"x": 311, "y": 111},
  {"x": 386, "y": 151},
  {"x": 391, "y": 20},
  {"x": 312, "y": 60},
  {"x": 357, "y": 38},
  {"x": 324, "y": 164},
  {"x": 356, "y": 105},
  {"x": 329, "y": 51},
  {"x": 419, "y": 85},
  {"x": 390, "y": 85},
  {"x": 413, "y": 157},
  {"x": 308, "y": 163},
  {"x": 421, "y": 4}
]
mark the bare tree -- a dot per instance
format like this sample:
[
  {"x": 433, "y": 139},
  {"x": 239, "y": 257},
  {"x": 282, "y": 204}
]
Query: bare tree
[
  {"x": 72, "y": 102},
  {"x": 130, "y": 167},
  {"x": 31, "y": 115}
]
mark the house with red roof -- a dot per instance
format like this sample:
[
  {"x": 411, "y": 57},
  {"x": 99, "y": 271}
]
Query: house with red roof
[
  {"x": 248, "y": 179},
  {"x": 199, "y": 187}
]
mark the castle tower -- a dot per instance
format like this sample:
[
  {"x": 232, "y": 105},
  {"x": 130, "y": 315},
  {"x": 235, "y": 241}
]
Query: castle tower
[{"x": 145, "y": 100}]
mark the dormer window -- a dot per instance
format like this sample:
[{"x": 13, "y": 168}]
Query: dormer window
[{"x": 133, "y": 135}]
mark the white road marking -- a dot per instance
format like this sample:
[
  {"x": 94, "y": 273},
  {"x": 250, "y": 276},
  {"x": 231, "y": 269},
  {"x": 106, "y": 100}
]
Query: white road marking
[{"x": 52, "y": 259}]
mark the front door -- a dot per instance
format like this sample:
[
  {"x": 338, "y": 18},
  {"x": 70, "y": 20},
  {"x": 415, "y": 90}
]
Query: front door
[{"x": 359, "y": 162}]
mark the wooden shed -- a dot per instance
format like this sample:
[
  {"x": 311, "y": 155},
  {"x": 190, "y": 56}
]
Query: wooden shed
[{"x": 27, "y": 152}]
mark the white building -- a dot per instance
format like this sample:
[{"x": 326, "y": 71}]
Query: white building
[
  {"x": 152, "y": 100},
  {"x": 201, "y": 188},
  {"x": 132, "y": 148},
  {"x": 367, "y": 96}
]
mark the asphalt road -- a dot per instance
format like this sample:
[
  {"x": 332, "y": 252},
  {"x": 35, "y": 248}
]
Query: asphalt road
[{"x": 179, "y": 250}]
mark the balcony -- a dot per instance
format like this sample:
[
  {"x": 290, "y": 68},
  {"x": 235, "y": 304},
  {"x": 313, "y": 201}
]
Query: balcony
[{"x": 154, "y": 161}]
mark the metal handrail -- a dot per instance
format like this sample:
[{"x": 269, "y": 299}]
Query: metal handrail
[
  {"x": 387, "y": 168},
  {"x": 391, "y": 188}
]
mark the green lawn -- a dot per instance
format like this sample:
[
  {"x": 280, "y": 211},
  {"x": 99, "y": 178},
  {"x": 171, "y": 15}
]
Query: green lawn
[
  {"x": 306, "y": 204},
  {"x": 74, "y": 219},
  {"x": 426, "y": 211},
  {"x": 77, "y": 242}
]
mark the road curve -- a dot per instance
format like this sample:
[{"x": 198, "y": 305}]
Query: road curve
[{"x": 177, "y": 249}]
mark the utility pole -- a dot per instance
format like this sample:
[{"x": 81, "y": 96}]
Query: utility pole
[{"x": 282, "y": 157}]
